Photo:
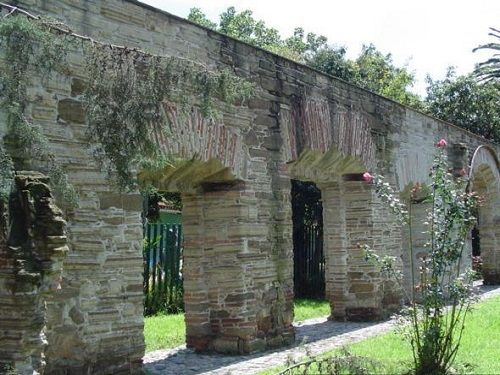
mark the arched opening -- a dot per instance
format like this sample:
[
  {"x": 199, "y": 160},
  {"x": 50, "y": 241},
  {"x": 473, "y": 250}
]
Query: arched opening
[
  {"x": 484, "y": 180},
  {"x": 235, "y": 300},
  {"x": 162, "y": 252},
  {"x": 308, "y": 257},
  {"x": 352, "y": 214}
]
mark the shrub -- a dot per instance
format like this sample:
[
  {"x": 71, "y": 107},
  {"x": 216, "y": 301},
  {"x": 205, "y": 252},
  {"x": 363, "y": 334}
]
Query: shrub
[{"x": 441, "y": 296}]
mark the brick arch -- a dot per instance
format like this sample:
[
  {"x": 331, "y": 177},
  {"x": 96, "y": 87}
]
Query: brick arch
[
  {"x": 189, "y": 175},
  {"x": 192, "y": 137},
  {"x": 484, "y": 177},
  {"x": 352, "y": 215}
]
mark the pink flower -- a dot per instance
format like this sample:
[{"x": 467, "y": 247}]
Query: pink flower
[
  {"x": 367, "y": 177},
  {"x": 442, "y": 143}
]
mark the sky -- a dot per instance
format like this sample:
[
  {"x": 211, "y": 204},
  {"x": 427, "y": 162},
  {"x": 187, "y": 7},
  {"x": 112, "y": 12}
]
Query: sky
[{"x": 427, "y": 35}]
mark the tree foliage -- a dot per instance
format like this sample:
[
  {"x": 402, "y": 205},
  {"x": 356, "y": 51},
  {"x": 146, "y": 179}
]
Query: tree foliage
[
  {"x": 243, "y": 26},
  {"x": 372, "y": 69},
  {"x": 465, "y": 102},
  {"x": 490, "y": 69}
]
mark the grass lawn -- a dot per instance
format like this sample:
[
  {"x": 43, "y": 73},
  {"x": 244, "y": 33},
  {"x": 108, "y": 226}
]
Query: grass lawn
[
  {"x": 169, "y": 331},
  {"x": 164, "y": 331},
  {"x": 310, "y": 308},
  {"x": 480, "y": 345}
]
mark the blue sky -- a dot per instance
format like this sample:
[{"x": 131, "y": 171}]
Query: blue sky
[{"x": 428, "y": 35}]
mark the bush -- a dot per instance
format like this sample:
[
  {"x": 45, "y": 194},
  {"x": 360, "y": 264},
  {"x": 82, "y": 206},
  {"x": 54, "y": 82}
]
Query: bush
[{"x": 441, "y": 296}]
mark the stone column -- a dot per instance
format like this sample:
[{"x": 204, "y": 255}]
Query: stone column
[
  {"x": 458, "y": 158},
  {"x": 197, "y": 316},
  {"x": 489, "y": 234},
  {"x": 226, "y": 267},
  {"x": 335, "y": 248},
  {"x": 353, "y": 215},
  {"x": 419, "y": 239}
]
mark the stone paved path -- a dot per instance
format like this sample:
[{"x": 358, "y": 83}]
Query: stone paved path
[{"x": 314, "y": 337}]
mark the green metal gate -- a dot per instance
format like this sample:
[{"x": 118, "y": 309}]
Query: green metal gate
[{"x": 162, "y": 268}]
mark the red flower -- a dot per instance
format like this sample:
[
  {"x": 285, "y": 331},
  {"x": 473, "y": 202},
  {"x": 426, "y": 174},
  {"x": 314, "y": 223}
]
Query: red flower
[
  {"x": 367, "y": 177},
  {"x": 442, "y": 143}
]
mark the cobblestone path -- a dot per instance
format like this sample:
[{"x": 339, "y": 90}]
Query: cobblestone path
[{"x": 314, "y": 337}]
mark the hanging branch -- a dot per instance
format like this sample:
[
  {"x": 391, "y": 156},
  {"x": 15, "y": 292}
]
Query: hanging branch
[{"x": 124, "y": 96}]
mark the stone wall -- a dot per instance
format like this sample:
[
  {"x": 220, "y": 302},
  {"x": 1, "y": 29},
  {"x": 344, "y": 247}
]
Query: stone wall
[
  {"x": 485, "y": 181},
  {"x": 238, "y": 250},
  {"x": 32, "y": 250}
]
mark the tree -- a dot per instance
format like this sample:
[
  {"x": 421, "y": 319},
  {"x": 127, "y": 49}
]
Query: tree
[
  {"x": 332, "y": 60},
  {"x": 465, "y": 102},
  {"x": 197, "y": 16},
  {"x": 490, "y": 69},
  {"x": 372, "y": 70},
  {"x": 242, "y": 26},
  {"x": 377, "y": 72}
]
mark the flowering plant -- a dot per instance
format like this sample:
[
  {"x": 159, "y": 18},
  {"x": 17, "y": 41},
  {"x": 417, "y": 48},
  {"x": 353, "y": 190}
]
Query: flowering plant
[{"x": 441, "y": 293}]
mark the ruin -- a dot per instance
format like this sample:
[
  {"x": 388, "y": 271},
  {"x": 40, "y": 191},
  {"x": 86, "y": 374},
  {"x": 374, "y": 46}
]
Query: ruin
[{"x": 86, "y": 314}]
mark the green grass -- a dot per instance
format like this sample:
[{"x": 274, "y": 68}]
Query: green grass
[
  {"x": 164, "y": 331},
  {"x": 479, "y": 347},
  {"x": 169, "y": 331},
  {"x": 310, "y": 308}
]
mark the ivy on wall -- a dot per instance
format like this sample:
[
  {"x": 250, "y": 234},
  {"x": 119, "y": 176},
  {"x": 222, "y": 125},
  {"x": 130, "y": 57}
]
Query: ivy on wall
[
  {"x": 29, "y": 49},
  {"x": 124, "y": 99}
]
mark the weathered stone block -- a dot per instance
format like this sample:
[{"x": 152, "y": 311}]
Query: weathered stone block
[
  {"x": 71, "y": 111},
  {"x": 129, "y": 202}
]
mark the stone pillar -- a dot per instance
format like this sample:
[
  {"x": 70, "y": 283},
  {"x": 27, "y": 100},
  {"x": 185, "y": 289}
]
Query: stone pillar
[
  {"x": 458, "y": 158},
  {"x": 353, "y": 215},
  {"x": 95, "y": 321},
  {"x": 335, "y": 249},
  {"x": 419, "y": 239},
  {"x": 489, "y": 234},
  {"x": 196, "y": 302},
  {"x": 227, "y": 272}
]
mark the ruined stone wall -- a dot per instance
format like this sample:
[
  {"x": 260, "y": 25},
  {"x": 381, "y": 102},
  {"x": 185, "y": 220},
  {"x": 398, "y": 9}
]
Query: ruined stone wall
[
  {"x": 32, "y": 249},
  {"x": 322, "y": 126}
]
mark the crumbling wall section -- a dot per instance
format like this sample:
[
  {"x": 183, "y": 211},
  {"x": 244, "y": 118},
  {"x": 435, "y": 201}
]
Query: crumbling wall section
[{"x": 32, "y": 249}]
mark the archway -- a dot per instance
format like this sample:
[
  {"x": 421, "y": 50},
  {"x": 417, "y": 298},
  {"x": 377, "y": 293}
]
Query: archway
[
  {"x": 308, "y": 256},
  {"x": 234, "y": 297},
  {"x": 352, "y": 215},
  {"x": 484, "y": 179}
]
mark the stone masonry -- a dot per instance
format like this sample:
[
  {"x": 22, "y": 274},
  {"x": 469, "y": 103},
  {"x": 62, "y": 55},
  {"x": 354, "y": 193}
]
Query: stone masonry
[
  {"x": 32, "y": 250},
  {"x": 234, "y": 176}
]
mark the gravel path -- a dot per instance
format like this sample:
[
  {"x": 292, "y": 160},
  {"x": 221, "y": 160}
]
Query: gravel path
[{"x": 314, "y": 337}]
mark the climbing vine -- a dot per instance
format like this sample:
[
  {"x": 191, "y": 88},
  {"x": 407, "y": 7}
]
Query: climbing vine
[
  {"x": 125, "y": 99},
  {"x": 29, "y": 49}
]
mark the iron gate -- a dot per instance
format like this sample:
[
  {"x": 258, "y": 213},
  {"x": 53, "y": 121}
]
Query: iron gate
[{"x": 309, "y": 261}]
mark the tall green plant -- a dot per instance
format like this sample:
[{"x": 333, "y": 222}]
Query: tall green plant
[
  {"x": 441, "y": 291},
  {"x": 29, "y": 49},
  {"x": 127, "y": 94}
]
